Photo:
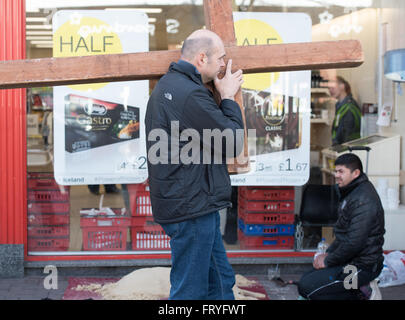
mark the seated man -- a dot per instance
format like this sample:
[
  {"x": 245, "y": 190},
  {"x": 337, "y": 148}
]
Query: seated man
[{"x": 347, "y": 270}]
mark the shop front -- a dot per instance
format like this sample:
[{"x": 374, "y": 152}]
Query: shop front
[{"x": 73, "y": 185}]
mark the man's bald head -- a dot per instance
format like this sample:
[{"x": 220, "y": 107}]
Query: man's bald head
[
  {"x": 204, "y": 49},
  {"x": 200, "y": 41}
]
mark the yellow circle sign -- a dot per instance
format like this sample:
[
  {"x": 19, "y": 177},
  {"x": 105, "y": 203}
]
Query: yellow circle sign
[
  {"x": 86, "y": 37},
  {"x": 255, "y": 32}
]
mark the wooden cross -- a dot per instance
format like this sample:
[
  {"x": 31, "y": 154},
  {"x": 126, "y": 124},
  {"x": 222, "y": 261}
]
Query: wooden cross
[{"x": 153, "y": 65}]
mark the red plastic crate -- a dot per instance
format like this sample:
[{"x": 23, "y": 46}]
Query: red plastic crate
[
  {"x": 43, "y": 184},
  {"x": 40, "y": 175},
  {"x": 48, "y": 207},
  {"x": 138, "y": 187},
  {"x": 266, "y": 206},
  {"x": 150, "y": 237},
  {"x": 103, "y": 232},
  {"x": 104, "y": 238},
  {"x": 267, "y": 193},
  {"x": 48, "y": 196},
  {"x": 103, "y": 220},
  {"x": 140, "y": 204},
  {"x": 52, "y": 244},
  {"x": 139, "y": 198},
  {"x": 141, "y": 221},
  {"x": 266, "y": 218},
  {"x": 48, "y": 231},
  {"x": 266, "y": 229},
  {"x": 47, "y": 219},
  {"x": 263, "y": 243}
]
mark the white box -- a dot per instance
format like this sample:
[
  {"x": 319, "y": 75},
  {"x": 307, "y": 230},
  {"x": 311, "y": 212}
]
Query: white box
[
  {"x": 393, "y": 181},
  {"x": 394, "y": 229}
]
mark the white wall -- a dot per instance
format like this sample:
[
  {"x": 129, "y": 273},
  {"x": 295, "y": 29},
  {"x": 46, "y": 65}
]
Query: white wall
[{"x": 393, "y": 14}]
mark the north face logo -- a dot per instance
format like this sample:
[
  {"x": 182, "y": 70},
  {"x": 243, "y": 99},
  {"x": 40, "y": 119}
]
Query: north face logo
[{"x": 168, "y": 96}]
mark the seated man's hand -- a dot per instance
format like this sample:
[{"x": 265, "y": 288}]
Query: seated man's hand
[{"x": 319, "y": 262}]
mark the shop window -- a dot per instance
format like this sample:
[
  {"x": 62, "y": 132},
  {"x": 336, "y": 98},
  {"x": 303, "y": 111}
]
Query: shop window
[{"x": 117, "y": 217}]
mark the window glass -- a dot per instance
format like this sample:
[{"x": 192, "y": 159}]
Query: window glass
[{"x": 117, "y": 217}]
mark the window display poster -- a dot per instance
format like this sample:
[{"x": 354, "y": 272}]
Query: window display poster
[
  {"x": 99, "y": 127},
  {"x": 276, "y": 105}
]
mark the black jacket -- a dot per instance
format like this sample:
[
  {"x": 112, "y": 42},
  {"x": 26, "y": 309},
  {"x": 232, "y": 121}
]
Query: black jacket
[
  {"x": 181, "y": 191},
  {"x": 359, "y": 229}
]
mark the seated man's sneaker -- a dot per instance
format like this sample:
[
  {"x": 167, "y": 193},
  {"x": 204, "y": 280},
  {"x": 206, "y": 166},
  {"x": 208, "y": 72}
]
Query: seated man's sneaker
[
  {"x": 376, "y": 293},
  {"x": 370, "y": 291}
]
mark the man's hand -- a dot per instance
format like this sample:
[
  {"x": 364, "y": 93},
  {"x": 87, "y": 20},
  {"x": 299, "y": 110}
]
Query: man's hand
[
  {"x": 319, "y": 261},
  {"x": 229, "y": 85}
]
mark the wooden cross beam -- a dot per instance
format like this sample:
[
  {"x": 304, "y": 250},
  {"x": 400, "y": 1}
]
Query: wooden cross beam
[{"x": 152, "y": 65}]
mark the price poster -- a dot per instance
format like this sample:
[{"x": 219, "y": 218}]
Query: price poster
[
  {"x": 99, "y": 127},
  {"x": 276, "y": 105}
]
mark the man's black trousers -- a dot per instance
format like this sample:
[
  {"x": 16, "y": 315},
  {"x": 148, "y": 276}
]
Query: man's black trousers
[{"x": 334, "y": 284}]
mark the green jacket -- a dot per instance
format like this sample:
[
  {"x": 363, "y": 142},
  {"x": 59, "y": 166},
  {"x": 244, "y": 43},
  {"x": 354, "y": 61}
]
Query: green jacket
[{"x": 347, "y": 122}]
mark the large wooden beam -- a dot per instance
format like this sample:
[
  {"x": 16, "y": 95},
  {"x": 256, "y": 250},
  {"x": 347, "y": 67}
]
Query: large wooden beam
[
  {"x": 149, "y": 65},
  {"x": 219, "y": 19}
]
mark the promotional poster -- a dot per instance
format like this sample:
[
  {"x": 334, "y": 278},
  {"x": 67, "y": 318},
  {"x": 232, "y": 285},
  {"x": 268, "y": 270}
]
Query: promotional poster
[
  {"x": 277, "y": 105},
  {"x": 99, "y": 127}
]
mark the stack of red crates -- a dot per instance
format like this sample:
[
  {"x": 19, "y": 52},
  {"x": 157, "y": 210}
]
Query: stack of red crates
[
  {"x": 145, "y": 234},
  {"x": 48, "y": 213},
  {"x": 266, "y": 217}
]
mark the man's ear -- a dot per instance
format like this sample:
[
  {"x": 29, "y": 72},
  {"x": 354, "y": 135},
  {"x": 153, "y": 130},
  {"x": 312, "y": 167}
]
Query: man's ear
[
  {"x": 356, "y": 173},
  {"x": 201, "y": 59}
]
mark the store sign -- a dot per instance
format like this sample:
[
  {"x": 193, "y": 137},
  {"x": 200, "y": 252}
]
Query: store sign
[
  {"x": 99, "y": 127},
  {"x": 277, "y": 105}
]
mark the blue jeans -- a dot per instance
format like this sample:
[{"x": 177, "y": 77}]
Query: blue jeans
[{"x": 200, "y": 267}]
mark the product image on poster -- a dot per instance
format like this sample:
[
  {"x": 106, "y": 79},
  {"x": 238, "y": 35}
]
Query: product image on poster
[
  {"x": 275, "y": 118},
  {"x": 92, "y": 123}
]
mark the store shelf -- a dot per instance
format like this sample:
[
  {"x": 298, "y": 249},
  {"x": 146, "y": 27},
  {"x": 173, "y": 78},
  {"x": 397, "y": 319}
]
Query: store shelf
[
  {"x": 320, "y": 91},
  {"x": 320, "y": 121},
  {"x": 323, "y": 106},
  {"x": 39, "y": 157},
  {"x": 41, "y": 109},
  {"x": 34, "y": 136}
]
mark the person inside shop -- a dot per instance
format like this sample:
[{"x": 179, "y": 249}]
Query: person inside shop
[
  {"x": 186, "y": 198},
  {"x": 347, "y": 122},
  {"x": 356, "y": 255}
]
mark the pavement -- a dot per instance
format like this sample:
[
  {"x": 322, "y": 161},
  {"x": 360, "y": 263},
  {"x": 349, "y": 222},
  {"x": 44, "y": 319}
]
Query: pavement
[{"x": 31, "y": 287}]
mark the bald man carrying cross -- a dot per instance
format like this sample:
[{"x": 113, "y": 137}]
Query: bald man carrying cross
[{"x": 186, "y": 197}]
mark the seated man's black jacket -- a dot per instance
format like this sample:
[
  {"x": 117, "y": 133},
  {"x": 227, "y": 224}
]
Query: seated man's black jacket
[{"x": 359, "y": 229}]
